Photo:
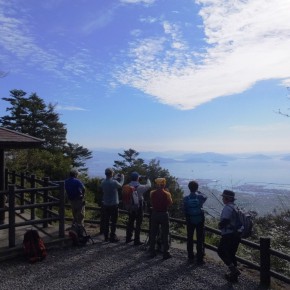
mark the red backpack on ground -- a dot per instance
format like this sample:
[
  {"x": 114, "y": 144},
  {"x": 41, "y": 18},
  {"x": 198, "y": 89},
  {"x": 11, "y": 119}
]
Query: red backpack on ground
[{"x": 33, "y": 245}]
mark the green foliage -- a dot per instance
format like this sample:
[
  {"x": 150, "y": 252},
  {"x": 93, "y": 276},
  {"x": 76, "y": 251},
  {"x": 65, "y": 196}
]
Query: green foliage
[
  {"x": 277, "y": 227},
  {"x": 93, "y": 193},
  {"x": 30, "y": 115},
  {"x": 42, "y": 163},
  {"x": 129, "y": 164},
  {"x": 78, "y": 155}
]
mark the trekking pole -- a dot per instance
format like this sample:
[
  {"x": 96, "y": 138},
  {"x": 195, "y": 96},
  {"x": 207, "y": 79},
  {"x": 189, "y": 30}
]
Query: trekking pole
[
  {"x": 216, "y": 198},
  {"x": 207, "y": 213}
]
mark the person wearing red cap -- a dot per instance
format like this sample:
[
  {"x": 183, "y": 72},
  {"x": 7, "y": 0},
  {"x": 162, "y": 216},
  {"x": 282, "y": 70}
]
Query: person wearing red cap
[
  {"x": 230, "y": 238},
  {"x": 160, "y": 201}
]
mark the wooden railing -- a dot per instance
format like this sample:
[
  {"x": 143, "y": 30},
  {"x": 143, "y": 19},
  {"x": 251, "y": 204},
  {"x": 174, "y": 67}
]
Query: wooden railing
[
  {"x": 39, "y": 196},
  {"x": 26, "y": 192},
  {"x": 264, "y": 247}
]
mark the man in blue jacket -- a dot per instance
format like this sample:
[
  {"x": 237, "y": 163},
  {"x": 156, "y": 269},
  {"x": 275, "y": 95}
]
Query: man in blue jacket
[{"x": 75, "y": 191}]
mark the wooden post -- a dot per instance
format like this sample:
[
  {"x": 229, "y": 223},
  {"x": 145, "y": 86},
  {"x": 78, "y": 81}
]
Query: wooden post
[
  {"x": 265, "y": 278},
  {"x": 2, "y": 186},
  {"x": 6, "y": 178},
  {"x": 11, "y": 190},
  {"x": 61, "y": 209},
  {"x": 32, "y": 196},
  {"x": 22, "y": 184},
  {"x": 13, "y": 177},
  {"x": 45, "y": 199}
]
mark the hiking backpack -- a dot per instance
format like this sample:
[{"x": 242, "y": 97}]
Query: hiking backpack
[
  {"x": 244, "y": 223},
  {"x": 130, "y": 198},
  {"x": 193, "y": 209},
  {"x": 33, "y": 245},
  {"x": 79, "y": 236}
]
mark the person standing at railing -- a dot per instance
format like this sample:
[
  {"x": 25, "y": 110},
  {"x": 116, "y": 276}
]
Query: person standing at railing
[
  {"x": 194, "y": 215},
  {"x": 75, "y": 191},
  {"x": 230, "y": 238},
  {"x": 110, "y": 188},
  {"x": 136, "y": 215},
  {"x": 160, "y": 200}
]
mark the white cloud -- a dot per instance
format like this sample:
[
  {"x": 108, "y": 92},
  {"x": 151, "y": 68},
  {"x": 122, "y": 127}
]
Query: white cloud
[
  {"x": 69, "y": 108},
  {"x": 248, "y": 41},
  {"x": 19, "y": 46}
]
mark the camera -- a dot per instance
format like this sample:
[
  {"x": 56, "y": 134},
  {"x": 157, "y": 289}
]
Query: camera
[
  {"x": 118, "y": 177},
  {"x": 143, "y": 177}
]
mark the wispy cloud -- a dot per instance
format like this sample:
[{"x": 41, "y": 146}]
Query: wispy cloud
[
  {"x": 20, "y": 46},
  {"x": 69, "y": 108},
  {"x": 246, "y": 42}
]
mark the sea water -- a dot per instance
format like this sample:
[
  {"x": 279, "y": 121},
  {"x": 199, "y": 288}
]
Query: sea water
[{"x": 270, "y": 172}]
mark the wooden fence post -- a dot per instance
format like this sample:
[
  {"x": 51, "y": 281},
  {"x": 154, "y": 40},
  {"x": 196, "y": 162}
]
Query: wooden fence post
[
  {"x": 61, "y": 209},
  {"x": 13, "y": 177},
  {"x": 22, "y": 184},
  {"x": 11, "y": 191},
  {"x": 265, "y": 278},
  {"x": 32, "y": 196},
  {"x": 6, "y": 179},
  {"x": 45, "y": 199}
]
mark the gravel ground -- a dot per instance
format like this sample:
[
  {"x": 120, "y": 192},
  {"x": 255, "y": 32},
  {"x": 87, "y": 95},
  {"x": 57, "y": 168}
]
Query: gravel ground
[{"x": 115, "y": 266}]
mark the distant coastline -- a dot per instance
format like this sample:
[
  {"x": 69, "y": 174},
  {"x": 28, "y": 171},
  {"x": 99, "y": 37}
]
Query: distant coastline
[{"x": 263, "y": 181}]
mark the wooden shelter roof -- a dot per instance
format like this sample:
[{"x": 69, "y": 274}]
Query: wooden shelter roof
[{"x": 14, "y": 140}]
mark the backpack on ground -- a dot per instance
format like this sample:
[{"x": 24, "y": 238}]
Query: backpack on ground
[
  {"x": 244, "y": 223},
  {"x": 130, "y": 198},
  {"x": 33, "y": 245},
  {"x": 193, "y": 209},
  {"x": 79, "y": 236}
]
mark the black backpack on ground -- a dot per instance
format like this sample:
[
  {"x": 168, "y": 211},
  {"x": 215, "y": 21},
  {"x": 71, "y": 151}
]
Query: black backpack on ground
[{"x": 79, "y": 236}]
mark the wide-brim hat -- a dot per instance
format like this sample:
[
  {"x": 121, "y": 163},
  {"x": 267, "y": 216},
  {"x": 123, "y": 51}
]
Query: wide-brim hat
[{"x": 228, "y": 193}]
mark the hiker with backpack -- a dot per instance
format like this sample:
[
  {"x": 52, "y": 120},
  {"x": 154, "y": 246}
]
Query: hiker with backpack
[
  {"x": 160, "y": 201},
  {"x": 194, "y": 216},
  {"x": 230, "y": 235},
  {"x": 75, "y": 191},
  {"x": 134, "y": 208},
  {"x": 110, "y": 188}
]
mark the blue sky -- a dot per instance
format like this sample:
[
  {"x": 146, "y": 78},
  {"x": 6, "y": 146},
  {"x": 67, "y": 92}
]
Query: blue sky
[{"x": 161, "y": 75}]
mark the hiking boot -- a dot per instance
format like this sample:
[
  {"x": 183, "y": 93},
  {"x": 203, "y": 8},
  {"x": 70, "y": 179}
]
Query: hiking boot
[
  {"x": 138, "y": 243},
  {"x": 190, "y": 260},
  {"x": 166, "y": 256},
  {"x": 114, "y": 240},
  {"x": 200, "y": 262},
  {"x": 234, "y": 271},
  {"x": 232, "y": 278}
]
